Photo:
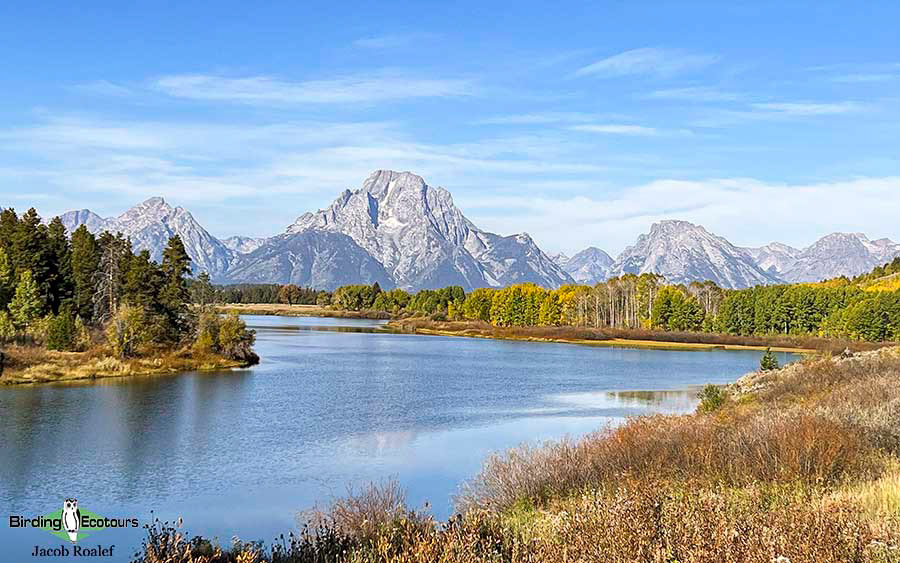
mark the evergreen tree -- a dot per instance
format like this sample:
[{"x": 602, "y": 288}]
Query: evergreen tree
[
  {"x": 60, "y": 279},
  {"x": 768, "y": 361},
  {"x": 6, "y": 279},
  {"x": 142, "y": 282},
  {"x": 203, "y": 292},
  {"x": 25, "y": 306},
  {"x": 9, "y": 223},
  {"x": 174, "y": 294},
  {"x": 31, "y": 251},
  {"x": 85, "y": 262}
]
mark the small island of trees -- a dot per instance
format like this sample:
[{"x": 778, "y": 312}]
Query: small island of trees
[{"x": 95, "y": 296}]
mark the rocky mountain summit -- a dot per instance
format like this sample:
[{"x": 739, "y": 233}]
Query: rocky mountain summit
[
  {"x": 837, "y": 254},
  {"x": 423, "y": 240},
  {"x": 150, "y": 224},
  {"x": 683, "y": 252}
]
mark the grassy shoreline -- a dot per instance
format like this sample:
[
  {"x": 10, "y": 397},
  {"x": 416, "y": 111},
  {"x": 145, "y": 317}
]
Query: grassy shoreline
[
  {"x": 658, "y": 340},
  {"x": 29, "y": 365}
]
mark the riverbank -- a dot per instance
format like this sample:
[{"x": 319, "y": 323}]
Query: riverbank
[
  {"x": 796, "y": 464},
  {"x": 282, "y": 310},
  {"x": 33, "y": 365},
  {"x": 631, "y": 338}
]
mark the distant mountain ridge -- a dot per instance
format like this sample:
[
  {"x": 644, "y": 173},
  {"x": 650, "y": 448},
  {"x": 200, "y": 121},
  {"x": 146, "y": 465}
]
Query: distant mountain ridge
[
  {"x": 683, "y": 252},
  {"x": 837, "y": 254},
  {"x": 401, "y": 232}
]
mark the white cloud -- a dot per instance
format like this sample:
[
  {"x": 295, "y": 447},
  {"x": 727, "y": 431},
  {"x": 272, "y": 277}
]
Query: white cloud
[
  {"x": 391, "y": 40},
  {"x": 542, "y": 118},
  {"x": 865, "y": 78},
  {"x": 648, "y": 60},
  {"x": 103, "y": 88},
  {"x": 266, "y": 90},
  {"x": 769, "y": 111},
  {"x": 617, "y": 129},
  {"x": 695, "y": 94},
  {"x": 803, "y": 109}
]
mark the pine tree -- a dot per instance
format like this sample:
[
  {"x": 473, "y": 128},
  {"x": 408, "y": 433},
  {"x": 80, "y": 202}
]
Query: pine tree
[
  {"x": 25, "y": 306},
  {"x": 202, "y": 290},
  {"x": 174, "y": 294},
  {"x": 31, "y": 251},
  {"x": 6, "y": 279},
  {"x": 768, "y": 361},
  {"x": 142, "y": 282},
  {"x": 9, "y": 223},
  {"x": 85, "y": 262},
  {"x": 60, "y": 278}
]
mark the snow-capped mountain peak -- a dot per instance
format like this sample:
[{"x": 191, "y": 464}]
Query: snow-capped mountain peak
[
  {"x": 424, "y": 240},
  {"x": 683, "y": 252},
  {"x": 150, "y": 224}
]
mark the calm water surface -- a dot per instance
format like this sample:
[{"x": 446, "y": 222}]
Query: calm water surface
[{"x": 333, "y": 402}]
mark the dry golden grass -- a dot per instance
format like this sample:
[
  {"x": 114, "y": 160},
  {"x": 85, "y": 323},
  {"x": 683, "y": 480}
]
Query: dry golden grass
[{"x": 34, "y": 364}]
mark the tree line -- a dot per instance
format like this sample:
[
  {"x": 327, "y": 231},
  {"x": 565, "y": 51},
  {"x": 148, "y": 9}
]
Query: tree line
[
  {"x": 289, "y": 294},
  {"x": 71, "y": 293},
  {"x": 838, "y": 308}
]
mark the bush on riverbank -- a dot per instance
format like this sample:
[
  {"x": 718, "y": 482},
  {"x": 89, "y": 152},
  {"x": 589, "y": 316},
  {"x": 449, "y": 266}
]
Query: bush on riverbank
[{"x": 796, "y": 464}]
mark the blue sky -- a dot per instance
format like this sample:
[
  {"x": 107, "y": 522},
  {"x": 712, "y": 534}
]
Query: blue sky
[{"x": 579, "y": 123}]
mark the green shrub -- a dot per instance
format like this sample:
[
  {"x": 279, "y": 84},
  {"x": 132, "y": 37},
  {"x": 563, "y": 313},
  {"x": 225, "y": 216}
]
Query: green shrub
[
  {"x": 236, "y": 341},
  {"x": 712, "y": 397}
]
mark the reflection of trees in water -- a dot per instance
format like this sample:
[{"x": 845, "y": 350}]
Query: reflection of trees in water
[{"x": 680, "y": 399}]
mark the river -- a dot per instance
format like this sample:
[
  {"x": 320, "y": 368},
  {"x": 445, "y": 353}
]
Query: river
[{"x": 334, "y": 402}]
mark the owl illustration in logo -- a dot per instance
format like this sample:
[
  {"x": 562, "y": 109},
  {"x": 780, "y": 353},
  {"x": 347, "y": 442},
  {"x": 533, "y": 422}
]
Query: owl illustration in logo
[{"x": 71, "y": 518}]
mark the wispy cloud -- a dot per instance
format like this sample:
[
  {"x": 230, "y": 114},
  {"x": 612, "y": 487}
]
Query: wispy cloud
[
  {"x": 694, "y": 94},
  {"x": 866, "y": 77},
  {"x": 648, "y": 60},
  {"x": 391, "y": 40},
  {"x": 617, "y": 129},
  {"x": 769, "y": 111},
  {"x": 102, "y": 88},
  {"x": 803, "y": 109},
  {"x": 861, "y": 72},
  {"x": 266, "y": 90},
  {"x": 548, "y": 117}
]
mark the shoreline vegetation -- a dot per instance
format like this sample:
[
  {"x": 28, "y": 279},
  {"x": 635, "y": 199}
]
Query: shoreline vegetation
[
  {"x": 792, "y": 464},
  {"x": 624, "y": 338},
  {"x": 35, "y": 365}
]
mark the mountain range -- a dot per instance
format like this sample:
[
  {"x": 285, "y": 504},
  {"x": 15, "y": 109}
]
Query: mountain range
[{"x": 400, "y": 232}]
